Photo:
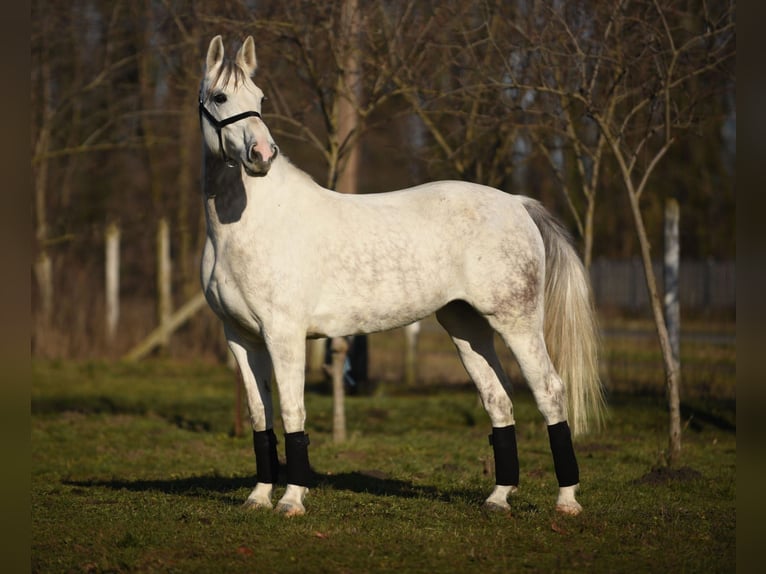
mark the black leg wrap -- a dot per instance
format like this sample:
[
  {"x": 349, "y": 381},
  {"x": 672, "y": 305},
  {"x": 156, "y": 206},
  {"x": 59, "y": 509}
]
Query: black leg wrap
[
  {"x": 266, "y": 459},
  {"x": 297, "y": 452},
  {"x": 564, "y": 460},
  {"x": 503, "y": 441}
]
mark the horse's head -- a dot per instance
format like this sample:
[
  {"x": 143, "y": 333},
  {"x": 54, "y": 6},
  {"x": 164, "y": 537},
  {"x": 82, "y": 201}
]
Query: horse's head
[{"x": 230, "y": 110}]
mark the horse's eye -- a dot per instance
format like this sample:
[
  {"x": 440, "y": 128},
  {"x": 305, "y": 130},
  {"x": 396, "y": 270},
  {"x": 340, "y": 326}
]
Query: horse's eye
[{"x": 219, "y": 98}]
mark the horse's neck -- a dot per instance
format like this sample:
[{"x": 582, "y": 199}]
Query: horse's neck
[{"x": 229, "y": 192}]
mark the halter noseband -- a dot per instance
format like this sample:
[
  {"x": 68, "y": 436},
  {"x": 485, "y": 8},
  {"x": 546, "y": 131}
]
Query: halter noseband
[{"x": 220, "y": 124}]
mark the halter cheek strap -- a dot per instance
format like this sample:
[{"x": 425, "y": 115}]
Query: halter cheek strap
[{"x": 218, "y": 125}]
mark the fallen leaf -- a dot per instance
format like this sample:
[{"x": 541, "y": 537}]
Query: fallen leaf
[
  {"x": 245, "y": 551},
  {"x": 556, "y": 528},
  {"x": 321, "y": 535}
]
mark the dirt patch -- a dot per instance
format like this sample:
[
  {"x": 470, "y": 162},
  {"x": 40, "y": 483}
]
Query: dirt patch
[{"x": 664, "y": 475}]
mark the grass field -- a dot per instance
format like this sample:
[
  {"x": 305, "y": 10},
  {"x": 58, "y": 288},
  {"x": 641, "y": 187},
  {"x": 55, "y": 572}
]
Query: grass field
[{"x": 135, "y": 468}]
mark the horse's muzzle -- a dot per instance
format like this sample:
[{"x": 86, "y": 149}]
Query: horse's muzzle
[
  {"x": 260, "y": 158},
  {"x": 262, "y": 152}
]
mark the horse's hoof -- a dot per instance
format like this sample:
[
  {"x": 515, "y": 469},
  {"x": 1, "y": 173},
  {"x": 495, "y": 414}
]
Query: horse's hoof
[
  {"x": 569, "y": 509},
  {"x": 498, "y": 500},
  {"x": 566, "y": 502},
  {"x": 291, "y": 504},
  {"x": 290, "y": 510},
  {"x": 260, "y": 497}
]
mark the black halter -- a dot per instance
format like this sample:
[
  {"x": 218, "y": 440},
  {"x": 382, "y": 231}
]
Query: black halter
[{"x": 220, "y": 124}]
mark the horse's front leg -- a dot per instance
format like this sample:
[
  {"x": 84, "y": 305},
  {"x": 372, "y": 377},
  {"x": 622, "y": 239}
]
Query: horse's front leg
[
  {"x": 255, "y": 366},
  {"x": 288, "y": 353}
]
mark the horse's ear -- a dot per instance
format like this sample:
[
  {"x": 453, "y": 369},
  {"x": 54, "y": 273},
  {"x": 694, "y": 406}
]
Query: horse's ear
[
  {"x": 215, "y": 53},
  {"x": 246, "y": 56}
]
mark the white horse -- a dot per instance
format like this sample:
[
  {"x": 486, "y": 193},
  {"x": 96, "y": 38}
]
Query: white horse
[{"x": 286, "y": 260}]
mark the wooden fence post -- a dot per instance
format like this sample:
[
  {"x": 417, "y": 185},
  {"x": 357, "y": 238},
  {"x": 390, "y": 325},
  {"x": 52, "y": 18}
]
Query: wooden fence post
[
  {"x": 44, "y": 276},
  {"x": 315, "y": 357},
  {"x": 339, "y": 354},
  {"x": 112, "y": 278}
]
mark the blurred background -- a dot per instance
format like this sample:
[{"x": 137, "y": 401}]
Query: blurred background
[{"x": 584, "y": 105}]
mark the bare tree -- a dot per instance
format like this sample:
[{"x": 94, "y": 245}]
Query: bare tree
[
  {"x": 438, "y": 56},
  {"x": 643, "y": 82},
  {"x": 557, "y": 59},
  {"x": 42, "y": 145},
  {"x": 179, "y": 54},
  {"x": 66, "y": 77},
  {"x": 348, "y": 100},
  {"x": 677, "y": 54},
  {"x": 537, "y": 63}
]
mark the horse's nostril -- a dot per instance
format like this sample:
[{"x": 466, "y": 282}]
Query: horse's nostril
[{"x": 260, "y": 153}]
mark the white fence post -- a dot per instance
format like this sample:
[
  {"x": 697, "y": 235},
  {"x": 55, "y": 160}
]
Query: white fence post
[
  {"x": 411, "y": 333},
  {"x": 672, "y": 264},
  {"x": 164, "y": 302},
  {"x": 112, "y": 278}
]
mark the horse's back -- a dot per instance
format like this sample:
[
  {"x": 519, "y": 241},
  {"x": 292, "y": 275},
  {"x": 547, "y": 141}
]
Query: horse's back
[
  {"x": 402, "y": 255},
  {"x": 444, "y": 208}
]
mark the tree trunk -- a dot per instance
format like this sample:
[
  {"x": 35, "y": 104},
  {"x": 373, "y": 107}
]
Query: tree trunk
[
  {"x": 347, "y": 102},
  {"x": 44, "y": 277},
  {"x": 672, "y": 374},
  {"x": 188, "y": 128},
  {"x": 148, "y": 93},
  {"x": 43, "y": 265},
  {"x": 588, "y": 234},
  {"x": 345, "y": 174},
  {"x": 673, "y": 318}
]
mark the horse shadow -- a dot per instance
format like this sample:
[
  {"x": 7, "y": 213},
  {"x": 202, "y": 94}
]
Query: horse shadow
[{"x": 228, "y": 488}]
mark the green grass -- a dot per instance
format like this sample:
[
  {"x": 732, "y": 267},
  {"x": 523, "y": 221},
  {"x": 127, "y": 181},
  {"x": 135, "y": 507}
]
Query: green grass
[{"x": 136, "y": 469}]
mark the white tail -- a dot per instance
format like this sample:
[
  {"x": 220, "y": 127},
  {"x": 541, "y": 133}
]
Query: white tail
[{"x": 571, "y": 330}]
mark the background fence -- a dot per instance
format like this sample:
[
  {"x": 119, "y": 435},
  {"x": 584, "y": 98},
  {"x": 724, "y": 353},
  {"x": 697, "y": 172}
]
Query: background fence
[{"x": 706, "y": 286}]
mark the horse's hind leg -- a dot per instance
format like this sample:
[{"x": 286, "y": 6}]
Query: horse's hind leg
[
  {"x": 550, "y": 395},
  {"x": 474, "y": 339},
  {"x": 255, "y": 366}
]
